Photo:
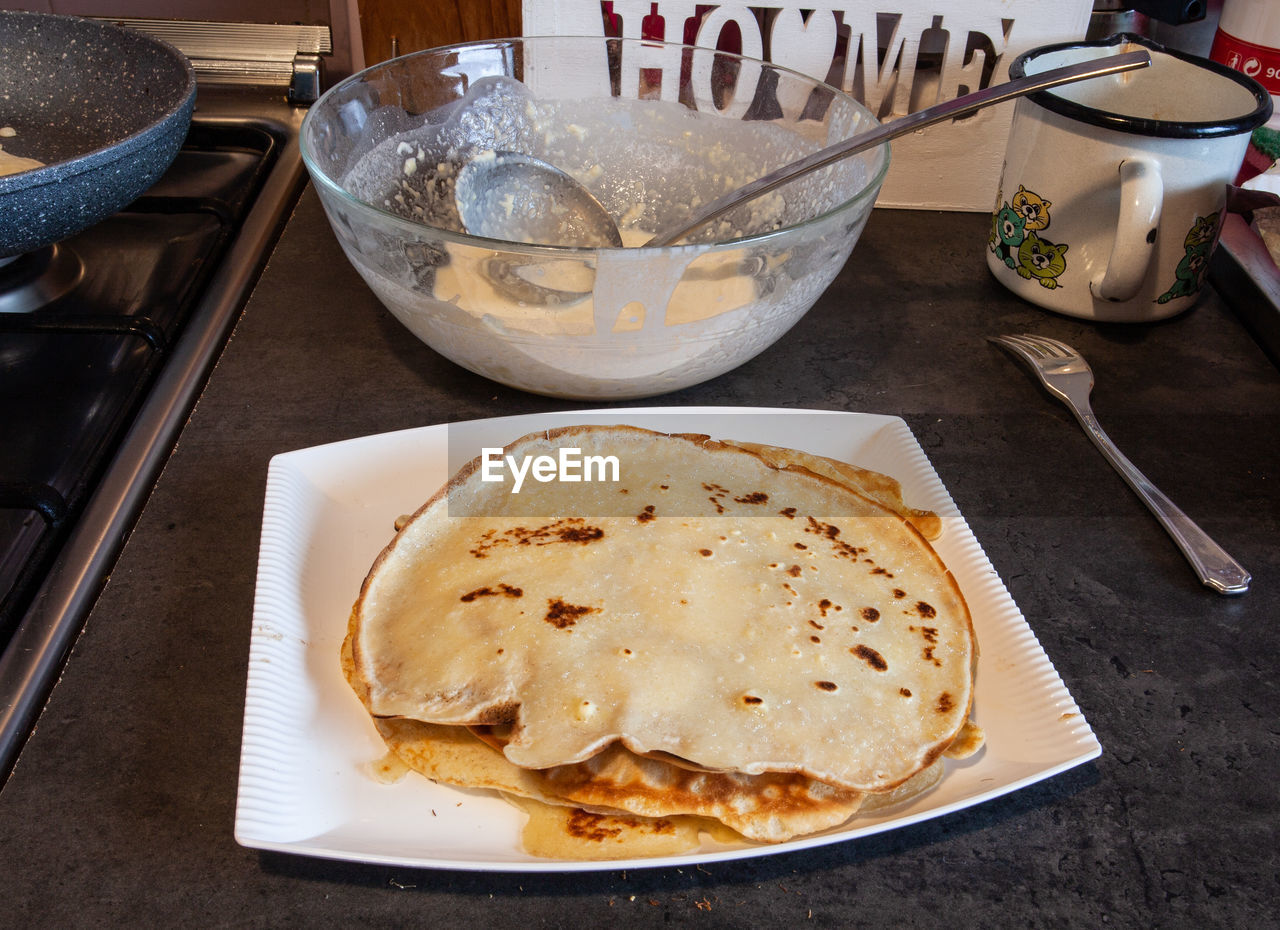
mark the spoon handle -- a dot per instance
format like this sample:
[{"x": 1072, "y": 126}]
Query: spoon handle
[{"x": 948, "y": 109}]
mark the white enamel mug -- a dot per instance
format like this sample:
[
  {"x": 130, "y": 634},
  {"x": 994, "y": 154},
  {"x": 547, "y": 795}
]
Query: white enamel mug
[{"x": 1114, "y": 189}]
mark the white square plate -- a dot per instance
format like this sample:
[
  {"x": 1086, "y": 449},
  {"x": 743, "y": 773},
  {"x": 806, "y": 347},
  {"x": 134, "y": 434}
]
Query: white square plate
[{"x": 305, "y": 786}]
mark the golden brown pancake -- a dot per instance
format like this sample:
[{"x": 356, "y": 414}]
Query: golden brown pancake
[
  {"x": 765, "y": 808},
  {"x": 710, "y": 605}
]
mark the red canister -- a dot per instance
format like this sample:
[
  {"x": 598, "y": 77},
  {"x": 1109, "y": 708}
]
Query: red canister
[{"x": 1248, "y": 39}]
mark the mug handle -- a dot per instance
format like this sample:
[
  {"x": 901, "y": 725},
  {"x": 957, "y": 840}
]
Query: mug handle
[{"x": 1141, "y": 200}]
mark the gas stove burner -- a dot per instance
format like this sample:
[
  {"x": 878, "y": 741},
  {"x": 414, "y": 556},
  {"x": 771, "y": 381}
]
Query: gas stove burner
[
  {"x": 105, "y": 340},
  {"x": 34, "y": 281}
]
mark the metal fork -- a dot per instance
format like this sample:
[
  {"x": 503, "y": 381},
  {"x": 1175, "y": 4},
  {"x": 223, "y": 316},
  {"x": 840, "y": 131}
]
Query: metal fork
[{"x": 1067, "y": 376}]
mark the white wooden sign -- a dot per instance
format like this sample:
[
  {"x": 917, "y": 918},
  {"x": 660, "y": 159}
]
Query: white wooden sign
[{"x": 896, "y": 60}]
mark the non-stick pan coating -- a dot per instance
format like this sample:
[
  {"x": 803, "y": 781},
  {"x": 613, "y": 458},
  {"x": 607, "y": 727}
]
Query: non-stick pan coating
[{"x": 105, "y": 108}]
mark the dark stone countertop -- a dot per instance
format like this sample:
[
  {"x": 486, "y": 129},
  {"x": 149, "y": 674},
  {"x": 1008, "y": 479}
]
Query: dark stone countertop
[{"x": 121, "y": 807}]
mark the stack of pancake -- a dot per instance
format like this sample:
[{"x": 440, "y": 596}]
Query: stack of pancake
[{"x": 727, "y": 636}]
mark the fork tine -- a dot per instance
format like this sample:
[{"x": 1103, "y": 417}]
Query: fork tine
[
  {"x": 1041, "y": 347},
  {"x": 1022, "y": 344},
  {"x": 1054, "y": 347}
]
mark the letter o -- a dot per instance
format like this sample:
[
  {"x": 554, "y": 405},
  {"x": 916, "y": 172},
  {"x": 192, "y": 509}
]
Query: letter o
[{"x": 701, "y": 72}]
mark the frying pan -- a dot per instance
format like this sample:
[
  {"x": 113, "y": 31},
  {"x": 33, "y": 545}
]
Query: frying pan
[{"x": 105, "y": 109}]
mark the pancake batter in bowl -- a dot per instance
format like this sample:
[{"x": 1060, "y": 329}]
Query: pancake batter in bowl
[
  {"x": 648, "y": 162},
  {"x": 614, "y": 323}
]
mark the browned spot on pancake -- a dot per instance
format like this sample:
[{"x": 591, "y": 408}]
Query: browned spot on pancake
[
  {"x": 795, "y": 571},
  {"x": 816, "y": 625},
  {"x": 499, "y": 714},
  {"x": 502, "y": 590},
  {"x": 665, "y": 487},
  {"x": 579, "y": 534},
  {"x": 929, "y": 656},
  {"x": 595, "y": 828},
  {"x": 879, "y": 570},
  {"x": 483, "y": 544},
  {"x": 815, "y": 639},
  {"x": 870, "y": 656},
  {"x": 869, "y": 614},
  {"x": 755, "y": 497},
  {"x": 945, "y": 703},
  {"x": 826, "y": 685},
  {"x": 831, "y": 533},
  {"x": 899, "y": 594},
  {"x": 801, "y": 546},
  {"x": 930, "y": 635},
  {"x": 752, "y": 700},
  {"x": 905, "y": 692},
  {"x": 568, "y": 530},
  {"x": 717, "y": 493},
  {"x": 788, "y": 512},
  {"x": 562, "y": 615},
  {"x": 925, "y": 610},
  {"x": 822, "y": 529},
  {"x": 705, "y": 553},
  {"x": 825, "y": 605},
  {"x": 646, "y": 515}
]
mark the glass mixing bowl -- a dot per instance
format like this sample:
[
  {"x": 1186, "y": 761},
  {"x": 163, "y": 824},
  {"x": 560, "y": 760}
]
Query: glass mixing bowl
[{"x": 653, "y": 130}]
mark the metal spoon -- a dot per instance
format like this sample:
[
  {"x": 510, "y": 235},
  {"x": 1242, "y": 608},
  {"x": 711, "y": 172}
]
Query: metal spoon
[
  {"x": 512, "y": 196},
  {"x": 506, "y": 195}
]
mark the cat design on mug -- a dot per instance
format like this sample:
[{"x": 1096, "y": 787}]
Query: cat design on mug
[
  {"x": 1198, "y": 245},
  {"x": 1014, "y": 238},
  {"x": 1033, "y": 209},
  {"x": 1041, "y": 259},
  {"x": 1007, "y": 233}
]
